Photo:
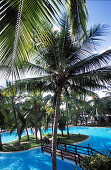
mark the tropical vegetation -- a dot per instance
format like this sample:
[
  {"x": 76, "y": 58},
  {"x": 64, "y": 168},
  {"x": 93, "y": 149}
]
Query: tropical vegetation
[
  {"x": 97, "y": 161},
  {"x": 69, "y": 64},
  {"x": 61, "y": 62},
  {"x": 30, "y": 143}
]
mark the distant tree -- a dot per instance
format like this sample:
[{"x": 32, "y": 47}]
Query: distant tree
[{"x": 62, "y": 122}]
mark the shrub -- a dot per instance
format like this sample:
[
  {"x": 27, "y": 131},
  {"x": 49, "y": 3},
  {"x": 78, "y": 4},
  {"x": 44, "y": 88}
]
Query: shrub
[{"x": 97, "y": 162}]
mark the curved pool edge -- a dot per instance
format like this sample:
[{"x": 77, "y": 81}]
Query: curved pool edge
[
  {"x": 83, "y": 140},
  {"x": 14, "y": 140},
  {"x": 91, "y": 126},
  {"x": 21, "y": 151},
  {"x": 40, "y": 147}
]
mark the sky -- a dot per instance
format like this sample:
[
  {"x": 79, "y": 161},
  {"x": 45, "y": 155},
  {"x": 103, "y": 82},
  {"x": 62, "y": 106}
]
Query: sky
[{"x": 99, "y": 13}]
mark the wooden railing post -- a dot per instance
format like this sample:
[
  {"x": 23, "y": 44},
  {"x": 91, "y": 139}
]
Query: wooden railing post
[
  {"x": 75, "y": 160},
  {"x": 76, "y": 150},
  {"x": 79, "y": 160},
  {"x": 61, "y": 155},
  {"x": 88, "y": 149},
  {"x": 65, "y": 146},
  {"x": 91, "y": 152}
]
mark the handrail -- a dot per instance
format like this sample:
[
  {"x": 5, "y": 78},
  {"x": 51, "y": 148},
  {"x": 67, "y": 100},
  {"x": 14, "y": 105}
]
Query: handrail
[
  {"x": 63, "y": 154},
  {"x": 89, "y": 150},
  {"x": 97, "y": 151},
  {"x": 72, "y": 152}
]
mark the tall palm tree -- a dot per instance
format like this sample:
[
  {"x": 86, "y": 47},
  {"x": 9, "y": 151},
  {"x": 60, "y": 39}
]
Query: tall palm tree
[
  {"x": 66, "y": 101},
  {"x": 76, "y": 104},
  {"x": 34, "y": 110},
  {"x": 70, "y": 63},
  {"x": 3, "y": 116},
  {"x": 11, "y": 96}
]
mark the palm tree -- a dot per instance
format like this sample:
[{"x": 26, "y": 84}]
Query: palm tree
[
  {"x": 34, "y": 110},
  {"x": 2, "y": 118},
  {"x": 75, "y": 105},
  {"x": 50, "y": 109},
  {"x": 70, "y": 63},
  {"x": 62, "y": 121},
  {"x": 66, "y": 100},
  {"x": 100, "y": 107},
  {"x": 19, "y": 21},
  {"x": 11, "y": 98}
]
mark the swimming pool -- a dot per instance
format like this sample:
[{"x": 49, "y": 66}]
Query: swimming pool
[
  {"x": 6, "y": 137},
  {"x": 98, "y": 135},
  {"x": 31, "y": 160},
  {"x": 100, "y": 139}
]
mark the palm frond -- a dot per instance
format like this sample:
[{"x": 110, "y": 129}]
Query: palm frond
[
  {"x": 90, "y": 63},
  {"x": 94, "y": 79},
  {"x": 32, "y": 84},
  {"x": 19, "y": 18},
  {"x": 78, "y": 14}
]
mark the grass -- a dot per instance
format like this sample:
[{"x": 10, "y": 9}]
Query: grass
[
  {"x": 73, "y": 138},
  {"x": 28, "y": 144},
  {"x": 25, "y": 144}
]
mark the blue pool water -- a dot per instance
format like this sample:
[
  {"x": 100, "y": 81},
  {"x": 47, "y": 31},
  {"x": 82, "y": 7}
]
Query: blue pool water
[
  {"x": 100, "y": 139},
  {"x": 6, "y": 137},
  {"x": 30, "y": 160}
]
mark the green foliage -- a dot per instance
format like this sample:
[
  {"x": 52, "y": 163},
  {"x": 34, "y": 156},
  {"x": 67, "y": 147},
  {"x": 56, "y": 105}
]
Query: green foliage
[
  {"x": 31, "y": 142},
  {"x": 68, "y": 62},
  {"x": 78, "y": 7},
  {"x": 24, "y": 19},
  {"x": 19, "y": 19},
  {"x": 25, "y": 144},
  {"x": 62, "y": 121},
  {"x": 4, "y": 112},
  {"x": 97, "y": 162}
]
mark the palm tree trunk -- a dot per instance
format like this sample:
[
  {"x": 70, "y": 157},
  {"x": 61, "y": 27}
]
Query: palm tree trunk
[
  {"x": 1, "y": 148},
  {"x": 37, "y": 111},
  {"x": 54, "y": 137},
  {"x": 76, "y": 121},
  {"x": 36, "y": 133},
  {"x": 32, "y": 130},
  {"x": 62, "y": 132},
  {"x": 52, "y": 125},
  {"x": 15, "y": 117},
  {"x": 27, "y": 134},
  {"x": 67, "y": 121},
  {"x": 19, "y": 138},
  {"x": 40, "y": 132}
]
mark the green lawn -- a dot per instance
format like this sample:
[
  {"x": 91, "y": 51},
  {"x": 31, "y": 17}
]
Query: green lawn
[
  {"x": 27, "y": 144},
  {"x": 73, "y": 138}
]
